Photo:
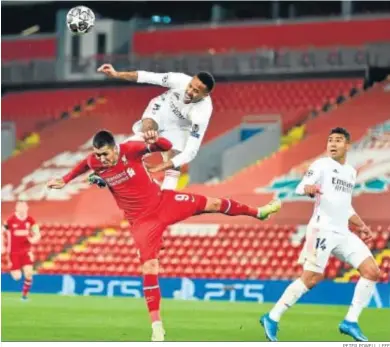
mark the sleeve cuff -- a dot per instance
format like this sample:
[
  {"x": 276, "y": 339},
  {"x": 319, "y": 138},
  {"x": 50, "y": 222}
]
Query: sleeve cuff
[{"x": 141, "y": 76}]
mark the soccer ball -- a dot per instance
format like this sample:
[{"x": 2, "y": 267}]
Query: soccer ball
[{"x": 80, "y": 20}]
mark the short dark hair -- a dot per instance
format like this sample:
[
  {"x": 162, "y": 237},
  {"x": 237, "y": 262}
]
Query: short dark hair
[
  {"x": 341, "y": 131},
  {"x": 207, "y": 79},
  {"x": 103, "y": 138}
]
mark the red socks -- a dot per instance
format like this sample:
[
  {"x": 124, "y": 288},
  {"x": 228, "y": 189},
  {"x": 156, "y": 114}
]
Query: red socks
[
  {"x": 234, "y": 208},
  {"x": 152, "y": 296},
  {"x": 26, "y": 287}
]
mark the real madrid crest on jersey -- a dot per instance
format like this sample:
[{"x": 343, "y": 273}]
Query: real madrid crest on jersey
[
  {"x": 195, "y": 131},
  {"x": 309, "y": 173}
]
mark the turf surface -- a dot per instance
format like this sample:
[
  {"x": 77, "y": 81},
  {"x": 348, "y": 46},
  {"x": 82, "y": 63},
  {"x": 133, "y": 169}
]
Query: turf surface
[{"x": 94, "y": 318}]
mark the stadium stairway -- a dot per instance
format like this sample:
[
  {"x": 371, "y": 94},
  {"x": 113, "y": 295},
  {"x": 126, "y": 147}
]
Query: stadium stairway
[
  {"x": 56, "y": 238},
  {"x": 31, "y": 110},
  {"x": 232, "y": 101},
  {"x": 219, "y": 249},
  {"x": 66, "y": 253},
  {"x": 293, "y": 100},
  {"x": 120, "y": 107}
]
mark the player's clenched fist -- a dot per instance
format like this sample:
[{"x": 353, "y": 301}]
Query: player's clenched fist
[
  {"x": 150, "y": 136},
  {"x": 312, "y": 190},
  {"x": 57, "y": 183},
  {"x": 108, "y": 70}
]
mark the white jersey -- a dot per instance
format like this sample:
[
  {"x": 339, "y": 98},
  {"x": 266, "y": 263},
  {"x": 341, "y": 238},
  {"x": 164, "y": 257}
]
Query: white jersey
[
  {"x": 193, "y": 117},
  {"x": 333, "y": 207}
]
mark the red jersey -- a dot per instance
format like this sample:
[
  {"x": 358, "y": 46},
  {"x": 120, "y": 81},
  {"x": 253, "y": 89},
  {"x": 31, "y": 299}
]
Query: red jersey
[
  {"x": 134, "y": 190},
  {"x": 18, "y": 233}
]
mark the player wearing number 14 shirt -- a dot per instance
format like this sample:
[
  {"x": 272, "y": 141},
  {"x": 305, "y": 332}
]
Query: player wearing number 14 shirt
[
  {"x": 330, "y": 181},
  {"x": 149, "y": 209}
]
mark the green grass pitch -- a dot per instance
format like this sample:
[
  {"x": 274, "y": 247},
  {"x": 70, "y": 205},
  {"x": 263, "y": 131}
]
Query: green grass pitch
[{"x": 56, "y": 318}]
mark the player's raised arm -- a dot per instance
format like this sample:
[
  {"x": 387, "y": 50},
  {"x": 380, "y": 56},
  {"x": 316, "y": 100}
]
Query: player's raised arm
[
  {"x": 308, "y": 185},
  {"x": 169, "y": 80},
  {"x": 79, "y": 169}
]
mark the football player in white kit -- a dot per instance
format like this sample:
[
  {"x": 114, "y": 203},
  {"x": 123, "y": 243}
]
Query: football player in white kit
[
  {"x": 181, "y": 115},
  {"x": 330, "y": 181}
]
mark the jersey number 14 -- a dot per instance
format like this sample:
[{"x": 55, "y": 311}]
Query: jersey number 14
[{"x": 320, "y": 243}]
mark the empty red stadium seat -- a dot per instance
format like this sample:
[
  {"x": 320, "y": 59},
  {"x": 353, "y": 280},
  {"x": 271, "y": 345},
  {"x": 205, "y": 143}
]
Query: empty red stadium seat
[
  {"x": 29, "y": 109},
  {"x": 236, "y": 252}
]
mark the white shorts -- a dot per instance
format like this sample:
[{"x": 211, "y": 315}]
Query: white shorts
[
  {"x": 176, "y": 134},
  {"x": 155, "y": 111},
  {"x": 320, "y": 244}
]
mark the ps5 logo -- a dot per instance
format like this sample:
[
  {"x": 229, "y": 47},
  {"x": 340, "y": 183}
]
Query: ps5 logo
[
  {"x": 112, "y": 287},
  {"x": 235, "y": 291},
  {"x": 96, "y": 286},
  {"x": 219, "y": 291}
]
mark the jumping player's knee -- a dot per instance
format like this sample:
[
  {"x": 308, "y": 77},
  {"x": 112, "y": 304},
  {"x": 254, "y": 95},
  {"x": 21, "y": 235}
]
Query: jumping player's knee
[
  {"x": 369, "y": 269},
  {"x": 16, "y": 275},
  {"x": 150, "y": 267},
  {"x": 311, "y": 279},
  {"x": 149, "y": 124},
  {"x": 213, "y": 205}
]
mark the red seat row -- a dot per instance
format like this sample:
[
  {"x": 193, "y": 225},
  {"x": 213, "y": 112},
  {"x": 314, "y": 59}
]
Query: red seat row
[{"x": 235, "y": 251}]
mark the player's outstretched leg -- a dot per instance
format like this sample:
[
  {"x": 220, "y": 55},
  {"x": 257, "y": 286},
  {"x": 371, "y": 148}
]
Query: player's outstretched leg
[
  {"x": 28, "y": 279},
  {"x": 291, "y": 295},
  {"x": 233, "y": 208},
  {"x": 153, "y": 297},
  {"x": 364, "y": 290}
]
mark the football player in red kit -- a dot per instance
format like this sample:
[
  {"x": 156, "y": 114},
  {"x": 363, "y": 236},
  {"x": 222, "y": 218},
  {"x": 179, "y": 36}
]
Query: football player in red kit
[
  {"x": 21, "y": 231},
  {"x": 149, "y": 209}
]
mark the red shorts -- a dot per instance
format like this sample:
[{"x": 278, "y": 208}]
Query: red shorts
[
  {"x": 174, "y": 207},
  {"x": 20, "y": 259}
]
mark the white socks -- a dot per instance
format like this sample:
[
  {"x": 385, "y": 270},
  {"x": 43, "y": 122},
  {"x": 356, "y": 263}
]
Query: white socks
[
  {"x": 361, "y": 298},
  {"x": 156, "y": 323},
  {"x": 170, "y": 180},
  {"x": 290, "y": 296}
]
